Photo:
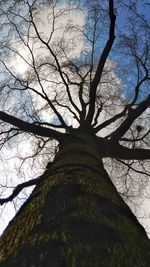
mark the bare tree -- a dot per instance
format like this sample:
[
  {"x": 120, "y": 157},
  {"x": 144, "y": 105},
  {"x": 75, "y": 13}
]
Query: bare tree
[{"x": 75, "y": 91}]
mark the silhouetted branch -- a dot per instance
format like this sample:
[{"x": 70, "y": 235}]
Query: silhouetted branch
[
  {"x": 102, "y": 61},
  {"x": 18, "y": 189},
  {"x": 31, "y": 127},
  {"x": 111, "y": 120},
  {"x": 132, "y": 115},
  {"x": 108, "y": 148},
  {"x": 135, "y": 139},
  {"x": 132, "y": 168},
  {"x": 54, "y": 55},
  {"x": 121, "y": 152}
]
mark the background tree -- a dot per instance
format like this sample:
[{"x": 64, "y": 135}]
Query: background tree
[{"x": 70, "y": 84}]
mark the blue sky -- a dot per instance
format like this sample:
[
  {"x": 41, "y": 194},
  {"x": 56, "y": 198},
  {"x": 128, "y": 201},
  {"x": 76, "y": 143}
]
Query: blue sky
[{"x": 126, "y": 71}]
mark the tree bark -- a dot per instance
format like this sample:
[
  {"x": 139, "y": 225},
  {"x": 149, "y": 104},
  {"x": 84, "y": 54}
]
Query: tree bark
[{"x": 75, "y": 218}]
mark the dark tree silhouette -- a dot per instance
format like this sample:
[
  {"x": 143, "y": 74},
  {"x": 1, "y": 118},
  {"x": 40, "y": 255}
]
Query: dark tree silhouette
[{"x": 64, "y": 68}]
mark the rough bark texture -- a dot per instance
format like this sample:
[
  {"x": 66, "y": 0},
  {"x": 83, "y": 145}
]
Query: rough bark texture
[{"x": 75, "y": 218}]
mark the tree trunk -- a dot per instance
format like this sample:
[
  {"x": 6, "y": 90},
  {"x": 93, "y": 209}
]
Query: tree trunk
[{"x": 75, "y": 218}]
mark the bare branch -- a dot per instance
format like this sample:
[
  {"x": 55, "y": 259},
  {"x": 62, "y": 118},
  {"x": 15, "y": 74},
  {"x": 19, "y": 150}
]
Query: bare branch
[
  {"x": 121, "y": 152},
  {"x": 132, "y": 115},
  {"x": 31, "y": 127},
  {"x": 102, "y": 61},
  {"x": 111, "y": 120},
  {"x": 135, "y": 139},
  {"x": 55, "y": 58},
  {"x": 18, "y": 189},
  {"x": 132, "y": 168}
]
